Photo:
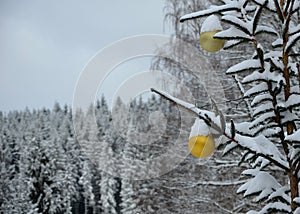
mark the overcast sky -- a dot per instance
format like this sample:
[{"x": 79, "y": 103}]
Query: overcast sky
[{"x": 44, "y": 45}]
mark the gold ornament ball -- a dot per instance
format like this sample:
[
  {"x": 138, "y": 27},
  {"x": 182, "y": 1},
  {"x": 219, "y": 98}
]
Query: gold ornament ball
[
  {"x": 201, "y": 146},
  {"x": 209, "y": 43}
]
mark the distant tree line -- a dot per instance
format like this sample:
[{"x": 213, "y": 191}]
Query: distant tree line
[{"x": 43, "y": 168}]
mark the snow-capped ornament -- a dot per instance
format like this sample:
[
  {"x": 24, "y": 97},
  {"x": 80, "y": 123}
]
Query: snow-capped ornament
[
  {"x": 210, "y": 27},
  {"x": 201, "y": 142}
]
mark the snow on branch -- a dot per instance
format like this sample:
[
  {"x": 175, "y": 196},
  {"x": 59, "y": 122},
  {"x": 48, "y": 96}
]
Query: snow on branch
[
  {"x": 292, "y": 40},
  {"x": 216, "y": 9},
  {"x": 233, "y": 33},
  {"x": 295, "y": 137},
  {"x": 263, "y": 183},
  {"x": 293, "y": 101},
  {"x": 267, "y": 75},
  {"x": 263, "y": 147},
  {"x": 247, "y": 27},
  {"x": 213, "y": 120},
  {"x": 245, "y": 65}
]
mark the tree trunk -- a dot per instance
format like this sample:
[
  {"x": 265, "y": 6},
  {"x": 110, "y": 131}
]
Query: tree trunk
[{"x": 294, "y": 189}]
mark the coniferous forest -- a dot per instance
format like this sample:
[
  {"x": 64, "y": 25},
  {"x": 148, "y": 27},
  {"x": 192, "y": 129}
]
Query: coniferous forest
[{"x": 45, "y": 170}]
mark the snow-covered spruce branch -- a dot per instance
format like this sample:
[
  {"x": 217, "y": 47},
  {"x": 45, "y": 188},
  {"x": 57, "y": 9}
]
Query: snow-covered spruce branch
[
  {"x": 205, "y": 115},
  {"x": 271, "y": 76}
]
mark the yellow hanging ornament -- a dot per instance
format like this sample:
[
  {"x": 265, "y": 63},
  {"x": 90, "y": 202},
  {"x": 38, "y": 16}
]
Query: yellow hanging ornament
[
  {"x": 201, "y": 142},
  {"x": 209, "y": 28},
  {"x": 201, "y": 146}
]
